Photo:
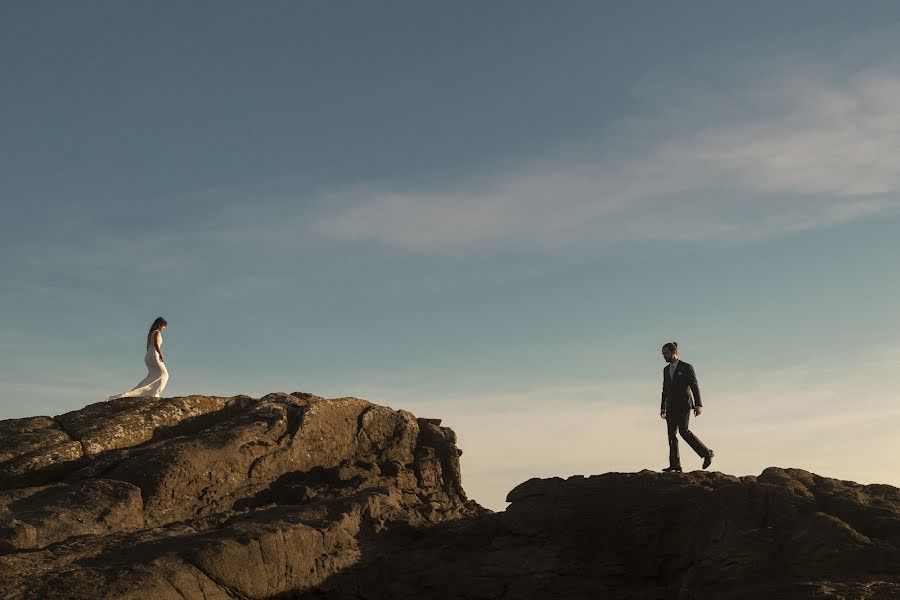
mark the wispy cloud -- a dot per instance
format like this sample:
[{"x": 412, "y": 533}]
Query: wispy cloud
[
  {"x": 718, "y": 158},
  {"x": 835, "y": 138},
  {"x": 799, "y": 150}
]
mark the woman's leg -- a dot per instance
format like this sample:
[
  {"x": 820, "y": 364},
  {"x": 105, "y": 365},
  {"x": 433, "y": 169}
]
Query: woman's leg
[{"x": 163, "y": 379}]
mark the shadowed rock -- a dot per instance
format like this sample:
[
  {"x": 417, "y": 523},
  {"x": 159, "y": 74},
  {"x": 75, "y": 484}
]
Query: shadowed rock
[
  {"x": 34, "y": 450},
  {"x": 786, "y": 534},
  {"x": 37, "y": 516}
]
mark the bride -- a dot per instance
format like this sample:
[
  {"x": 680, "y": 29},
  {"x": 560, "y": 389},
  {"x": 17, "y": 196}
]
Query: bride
[{"x": 157, "y": 374}]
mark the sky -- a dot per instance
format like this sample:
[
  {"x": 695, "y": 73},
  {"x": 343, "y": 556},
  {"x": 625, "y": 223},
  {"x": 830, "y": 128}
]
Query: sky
[{"x": 493, "y": 213}]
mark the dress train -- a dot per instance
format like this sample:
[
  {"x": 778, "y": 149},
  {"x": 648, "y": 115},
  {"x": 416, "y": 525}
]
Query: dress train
[{"x": 155, "y": 381}]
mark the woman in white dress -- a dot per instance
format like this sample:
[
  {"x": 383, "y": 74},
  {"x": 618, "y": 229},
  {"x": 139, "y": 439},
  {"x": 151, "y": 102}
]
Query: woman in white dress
[{"x": 157, "y": 374}]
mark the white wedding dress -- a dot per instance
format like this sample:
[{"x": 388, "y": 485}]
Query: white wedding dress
[{"x": 157, "y": 375}]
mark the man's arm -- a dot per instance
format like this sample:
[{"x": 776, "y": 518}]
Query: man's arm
[
  {"x": 695, "y": 387},
  {"x": 662, "y": 402}
]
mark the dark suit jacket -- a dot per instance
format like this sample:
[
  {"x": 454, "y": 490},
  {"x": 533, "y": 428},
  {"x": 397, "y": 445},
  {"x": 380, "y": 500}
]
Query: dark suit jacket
[{"x": 682, "y": 392}]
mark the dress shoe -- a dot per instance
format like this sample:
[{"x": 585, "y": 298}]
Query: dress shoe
[
  {"x": 708, "y": 460},
  {"x": 672, "y": 470}
]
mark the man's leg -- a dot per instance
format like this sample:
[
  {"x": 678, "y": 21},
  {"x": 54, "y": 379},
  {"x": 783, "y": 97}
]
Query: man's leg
[
  {"x": 689, "y": 436},
  {"x": 672, "y": 424}
]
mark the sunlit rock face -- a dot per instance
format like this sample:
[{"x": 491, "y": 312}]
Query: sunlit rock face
[{"x": 209, "y": 497}]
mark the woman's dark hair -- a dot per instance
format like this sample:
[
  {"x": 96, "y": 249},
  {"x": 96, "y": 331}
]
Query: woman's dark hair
[
  {"x": 671, "y": 346},
  {"x": 159, "y": 322}
]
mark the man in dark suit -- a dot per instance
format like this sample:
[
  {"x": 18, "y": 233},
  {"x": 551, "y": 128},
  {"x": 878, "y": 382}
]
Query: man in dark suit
[{"x": 680, "y": 394}]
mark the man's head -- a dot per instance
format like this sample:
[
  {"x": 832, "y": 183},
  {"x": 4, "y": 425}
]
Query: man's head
[{"x": 670, "y": 352}]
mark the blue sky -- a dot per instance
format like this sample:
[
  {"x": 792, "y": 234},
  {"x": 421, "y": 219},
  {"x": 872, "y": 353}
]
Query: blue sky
[{"x": 493, "y": 213}]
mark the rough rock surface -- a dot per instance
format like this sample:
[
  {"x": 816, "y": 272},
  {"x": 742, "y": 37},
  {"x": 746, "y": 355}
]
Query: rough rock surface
[
  {"x": 785, "y": 534},
  {"x": 296, "y": 496},
  {"x": 212, "y": 498}
]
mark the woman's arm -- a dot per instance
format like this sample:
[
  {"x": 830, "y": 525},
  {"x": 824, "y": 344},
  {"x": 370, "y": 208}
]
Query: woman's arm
[{"x": 156, "y": 339}]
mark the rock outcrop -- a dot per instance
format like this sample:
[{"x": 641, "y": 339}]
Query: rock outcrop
[
  {"x": 296, "y": 496},
  {"x": 786, "y": 534},
  {"x": 206, "y": 497}
]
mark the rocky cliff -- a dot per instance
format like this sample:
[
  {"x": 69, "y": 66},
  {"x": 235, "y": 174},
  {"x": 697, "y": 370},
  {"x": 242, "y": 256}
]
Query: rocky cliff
[
  {"x": 212, "y": 498},
  {"x": 296, "y": 496},
  {"x": 786, "y": 534}
]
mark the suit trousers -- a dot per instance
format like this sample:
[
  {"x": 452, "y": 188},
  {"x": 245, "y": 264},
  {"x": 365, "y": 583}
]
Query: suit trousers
[{"x": 678, "y": 422}]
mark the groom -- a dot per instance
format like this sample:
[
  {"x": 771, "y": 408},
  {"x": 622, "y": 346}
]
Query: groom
[{"x": 680, "y": 394}]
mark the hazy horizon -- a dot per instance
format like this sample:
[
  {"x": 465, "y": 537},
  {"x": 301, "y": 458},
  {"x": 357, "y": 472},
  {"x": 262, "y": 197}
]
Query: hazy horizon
[{"x": 491, "y": 213}]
